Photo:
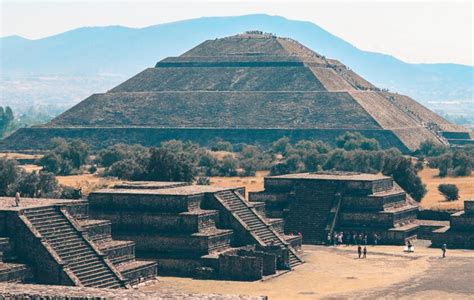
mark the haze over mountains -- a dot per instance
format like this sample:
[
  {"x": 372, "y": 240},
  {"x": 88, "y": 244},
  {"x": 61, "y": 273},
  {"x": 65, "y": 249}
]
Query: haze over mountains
[{"x": 65, "y": 68}]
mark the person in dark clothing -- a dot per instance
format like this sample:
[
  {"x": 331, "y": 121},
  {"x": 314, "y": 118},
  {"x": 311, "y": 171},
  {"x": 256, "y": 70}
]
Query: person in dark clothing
[
  {"x": 359, "y": 250},
  {"x": 443, "y": 248},
  {"x": 365, "y": 252}
]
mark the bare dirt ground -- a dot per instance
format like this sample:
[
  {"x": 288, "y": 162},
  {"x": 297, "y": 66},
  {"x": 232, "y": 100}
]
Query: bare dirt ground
[
  {"x": 434, "y": 200},
  {"x": 337, "y": 273}
]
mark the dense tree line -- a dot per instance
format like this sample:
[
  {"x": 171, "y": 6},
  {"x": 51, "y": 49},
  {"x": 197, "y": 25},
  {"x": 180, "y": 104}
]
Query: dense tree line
[
  {"x": 449, "y": 161},
  {"x": 178, "y": 161},
  {"x": 14, "y": 179},
  {"x": 354, "y": 153}
]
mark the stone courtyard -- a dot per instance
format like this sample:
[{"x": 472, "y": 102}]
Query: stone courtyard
[{"x": 337, "y": 273}]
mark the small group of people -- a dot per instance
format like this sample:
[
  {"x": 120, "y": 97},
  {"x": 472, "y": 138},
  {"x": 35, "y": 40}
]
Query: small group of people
[
  {"x": 352, "y": 238},
  {"x": 362, "y": 252}
]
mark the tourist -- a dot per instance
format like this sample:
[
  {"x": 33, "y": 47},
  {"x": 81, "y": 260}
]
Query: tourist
[
  {"x": 365, "y": 252},
  {"x": 365, "y": 239},
  {"x": 443, "y": 248},
  {"x": 17, "y": 199},
  {"x": 329, "y": 239},
  {"x": 348, "y": 239},
  {"x": 354, "y": 238},
  {"x": 376, "y": 239},
  {"x": 335, "y": 238},
  {"x": 359, "y": 250},
  {"x": 410, "y": 246},
  {"x": 340, "y": 238}
]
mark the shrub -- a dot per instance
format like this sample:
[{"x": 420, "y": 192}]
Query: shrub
[
  {"x": 203, "y": 181},
  {"x": 65, "y": 156},
  {"x": 355, "y": 140},
  {"x": 449, "y": 191},
  {"x": 222, "y": 146}
]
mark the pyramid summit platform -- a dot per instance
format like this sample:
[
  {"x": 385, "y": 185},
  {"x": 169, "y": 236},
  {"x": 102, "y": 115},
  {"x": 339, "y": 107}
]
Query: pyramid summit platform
[{"x": 248, "y": 88}]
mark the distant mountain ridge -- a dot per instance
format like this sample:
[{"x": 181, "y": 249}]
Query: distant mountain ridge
[{"x": 91, "y": 51}]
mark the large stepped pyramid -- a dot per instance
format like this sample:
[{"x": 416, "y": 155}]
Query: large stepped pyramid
[
  {"x": 251, "y": 88},
  {"x": 57, "y": 243}
]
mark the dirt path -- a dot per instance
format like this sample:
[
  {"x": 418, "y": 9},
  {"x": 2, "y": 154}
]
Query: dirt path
[{"x": 337, "y": 273}]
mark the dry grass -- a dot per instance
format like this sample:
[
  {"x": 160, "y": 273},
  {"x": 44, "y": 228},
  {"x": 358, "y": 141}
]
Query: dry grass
[
  {"x": 20, "y": 156},
  {"x": 251, "y": 183},
  {"x": 221, "y": 154},
  {"x": 434, "y": 200},
  {"x": 87, "y": 182}
]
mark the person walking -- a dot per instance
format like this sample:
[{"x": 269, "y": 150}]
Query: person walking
[
  {"x": 329, "y": 239},
  {"x": 17, "y": 199},
  {"x": 359, "y": 250},
  {"x": 365, "y": 252},
  {"x": 443, "y": 248}
]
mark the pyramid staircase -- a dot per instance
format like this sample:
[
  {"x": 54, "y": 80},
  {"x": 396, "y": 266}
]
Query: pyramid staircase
[
  {"x": 259, "y": 229},
  {"x": 80, "y": 256}
]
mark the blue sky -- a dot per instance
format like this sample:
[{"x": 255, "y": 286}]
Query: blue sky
[{"x": 414, "y": 31}]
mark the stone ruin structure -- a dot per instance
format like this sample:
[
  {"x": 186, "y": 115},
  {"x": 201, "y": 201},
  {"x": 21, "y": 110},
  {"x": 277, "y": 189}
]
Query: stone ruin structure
[
  {"x": 51, "y": 241},
  {"x": 198, "y": 231},
  {"x": 460, "y": 232},
  {"x": 248, "y": 88},
  {"x": 318, "y": 204}
]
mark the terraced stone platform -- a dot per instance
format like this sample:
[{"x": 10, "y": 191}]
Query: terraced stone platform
[
  {"x": 318, "y": 204},
  {"x": 58, "y": 244},
  {"x": 197, "y": 231}
]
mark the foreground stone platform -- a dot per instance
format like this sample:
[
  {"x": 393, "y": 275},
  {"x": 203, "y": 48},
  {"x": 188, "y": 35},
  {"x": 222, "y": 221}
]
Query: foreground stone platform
[
  {"x": 30, "y": 291},
  {"x": 319, "y": 204},
  {"x": 53, "y": 241},
  {"x": 197, "y": 230}
]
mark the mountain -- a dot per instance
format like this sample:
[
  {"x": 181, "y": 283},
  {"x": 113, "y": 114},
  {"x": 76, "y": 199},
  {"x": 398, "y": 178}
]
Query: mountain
[{"x": 113, "y": 53}]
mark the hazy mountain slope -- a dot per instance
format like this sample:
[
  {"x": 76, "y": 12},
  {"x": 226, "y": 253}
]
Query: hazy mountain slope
[{"x": 121, "y": 51}]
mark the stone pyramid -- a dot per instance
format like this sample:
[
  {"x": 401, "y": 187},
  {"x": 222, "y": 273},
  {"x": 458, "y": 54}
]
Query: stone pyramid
[{"x": 251, "y": 88}]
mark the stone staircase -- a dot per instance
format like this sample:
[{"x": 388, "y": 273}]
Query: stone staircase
[
  {"x": 333, "y": 215},
  {"x": 255, "y": 224},
  {"x": 81, "y": 258},
  {"x": 312, "y": 226}
]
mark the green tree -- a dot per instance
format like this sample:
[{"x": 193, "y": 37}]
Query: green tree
[
  {"x": 281, "y": 146},
  {"x": 9, "y": 173},
  {"x": 355, "y": 140},
  {"x": 164, "y": 165},
  {"x": 449, "y": 191},
  {"x": 221, "y": 145},
  {"x": 228, "y": 166}
]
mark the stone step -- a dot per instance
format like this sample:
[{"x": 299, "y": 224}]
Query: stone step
[
  {"x": 96, "y": 280},
  {"x": 91, "y": 267}
]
